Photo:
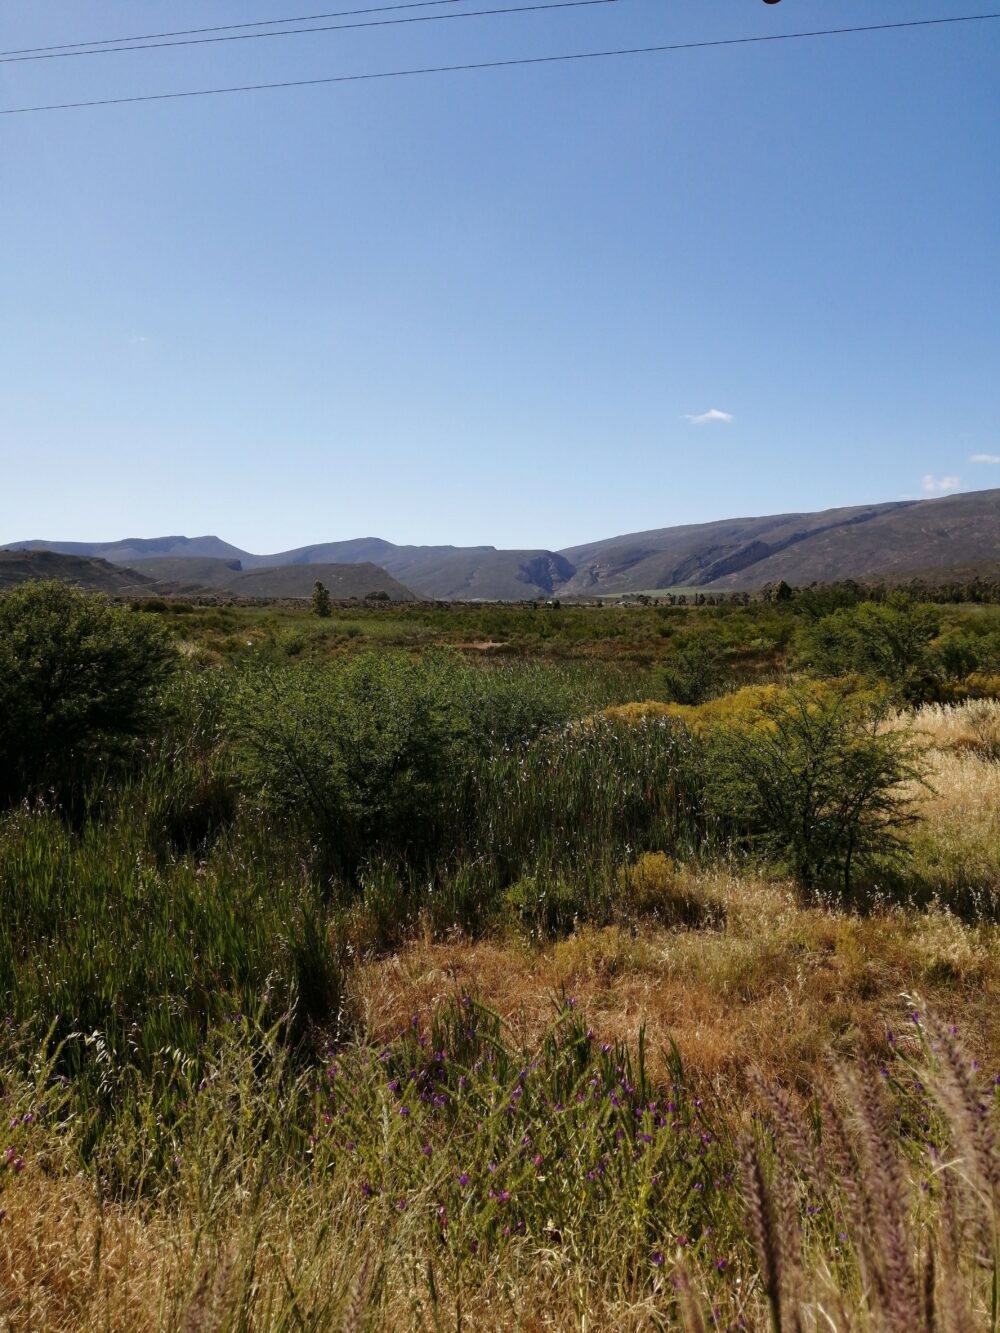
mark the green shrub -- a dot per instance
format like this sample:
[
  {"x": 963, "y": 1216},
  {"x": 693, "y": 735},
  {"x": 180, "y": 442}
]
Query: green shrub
[
  {"x": 542, "y": 905},
  {"x": 79, "y": 685},
  {"x": 385, "y": 755},
  {"x": 512, "y": 704},
  {"x": 818, "y": 787},
  {"x": 696, "y": 669},
  {"x": 888, "y": 643},
  {"x": 653, "y": 887},
  {"x": 969, "y": 651},
  {"x": 366, "y": 756}
]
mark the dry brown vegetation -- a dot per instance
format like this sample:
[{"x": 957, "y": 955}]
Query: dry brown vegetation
[
  {"x": 765, "y": 980},
  {"x": 778, "y": 986},
  {"x": 771, "y": 988}
]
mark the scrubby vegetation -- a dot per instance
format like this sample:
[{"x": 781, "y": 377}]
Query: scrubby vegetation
[{"x": 488, "y": 966}]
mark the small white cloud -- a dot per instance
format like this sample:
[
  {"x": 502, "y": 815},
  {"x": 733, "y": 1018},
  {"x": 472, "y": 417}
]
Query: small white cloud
[
  {"x": 984, "y": 458},
  {"x": 940, "y": 485},
  {"x": 137, "y": 339},
  {"x": 709, "y": 418}
]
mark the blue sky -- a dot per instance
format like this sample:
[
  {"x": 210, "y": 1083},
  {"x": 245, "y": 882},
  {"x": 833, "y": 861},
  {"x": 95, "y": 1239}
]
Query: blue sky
[{"x": 491, "y": 307}]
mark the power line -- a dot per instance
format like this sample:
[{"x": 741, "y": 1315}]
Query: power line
[
  {"x": 294, "y": 32},
  {"x": 501, "y": 64},
  {"x": 230, "y": 27}
]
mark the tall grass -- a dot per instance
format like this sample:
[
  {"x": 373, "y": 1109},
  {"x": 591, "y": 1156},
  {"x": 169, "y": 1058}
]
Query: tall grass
[
  {"x": 450, "y": 1154},
  {"x": 214, "y": 879},
  {"x": 452, "y": 1177},
  {"x": 205, "y": 885}
]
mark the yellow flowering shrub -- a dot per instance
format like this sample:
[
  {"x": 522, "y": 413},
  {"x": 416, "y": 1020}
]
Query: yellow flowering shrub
[{"x": 747, "y": 707}]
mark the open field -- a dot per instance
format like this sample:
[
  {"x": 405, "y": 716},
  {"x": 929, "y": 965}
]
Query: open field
[{"x": 443, "y": 967}]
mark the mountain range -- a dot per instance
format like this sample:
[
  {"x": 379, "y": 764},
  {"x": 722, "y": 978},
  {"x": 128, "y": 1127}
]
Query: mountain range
[{"x": 876, "y": 541}]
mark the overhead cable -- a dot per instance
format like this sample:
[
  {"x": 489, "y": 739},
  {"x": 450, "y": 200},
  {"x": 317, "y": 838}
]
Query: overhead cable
[
  {"x": 231, "y": 27},
  {"x": 298, "y": 32},
  {"x": 499, "y": 64}
]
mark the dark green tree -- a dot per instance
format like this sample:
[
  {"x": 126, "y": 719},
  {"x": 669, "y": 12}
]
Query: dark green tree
[
  {"x": 321, "y": 604},
  {"x": 80, "y": 682}
]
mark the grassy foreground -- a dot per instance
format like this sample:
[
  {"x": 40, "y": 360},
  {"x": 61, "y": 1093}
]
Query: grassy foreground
[
  {"x": 404, "y": 993},
  {"x": 555, "y": 1134}
]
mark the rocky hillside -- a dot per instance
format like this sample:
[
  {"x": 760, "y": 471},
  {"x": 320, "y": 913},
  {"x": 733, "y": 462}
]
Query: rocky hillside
[
  {"x": 83, "y": 571},
  {"x": 864, "y": 541}
]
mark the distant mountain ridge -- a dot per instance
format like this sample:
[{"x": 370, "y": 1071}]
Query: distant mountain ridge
[
  {"x": 861, "y": 541},
  {"x": 85, "y": 571},
  {"x": 137, "y": 548},
  {"x": 192, "y": 576},
  {"x": 207, "y": 573}
]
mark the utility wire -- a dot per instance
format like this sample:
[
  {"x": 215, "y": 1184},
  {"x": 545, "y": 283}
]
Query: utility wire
[
  {"x": 231, "y": 27},
  {"x": 294, "y": 32},
  {"x": 501, "y": 64}
]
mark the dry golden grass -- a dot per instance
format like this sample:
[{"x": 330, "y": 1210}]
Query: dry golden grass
[
  {"x": 775, "y": 985},
  {"x": 956, "y": 843},
  {"x": 295, "y": 1261},
  {"x": 948, "y": 724}
]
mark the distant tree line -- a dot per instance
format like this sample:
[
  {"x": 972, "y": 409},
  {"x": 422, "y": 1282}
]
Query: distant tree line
[{"x": 842, "y": 592}]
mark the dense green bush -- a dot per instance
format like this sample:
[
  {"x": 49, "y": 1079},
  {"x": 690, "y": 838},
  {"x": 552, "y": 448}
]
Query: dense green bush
[
  {"x": 426, "y": 760},
  {"x": 973, "y": 648},
  {"x": 887, "y": 643},
  {"x": 79, "y": 684},
  {"x": 817, "y": 785},
  {"x": 365, "y": 757},
  {"x": 696, "y": 669},
  {"x": 510, "y": 704}
]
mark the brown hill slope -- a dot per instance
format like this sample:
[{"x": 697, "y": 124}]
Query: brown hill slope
[
  {"x": 702, "y": 552},
  {"x": 452, "y": 573},
  {"x": 341, "y": 581},
  {"x": 447, "y": 572},
  {"x": 189, "y": 574},
  {"x": 83, "y": 571},
  {"x": 195, "y": 574},
  {"x": 956, "y": 530}
]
